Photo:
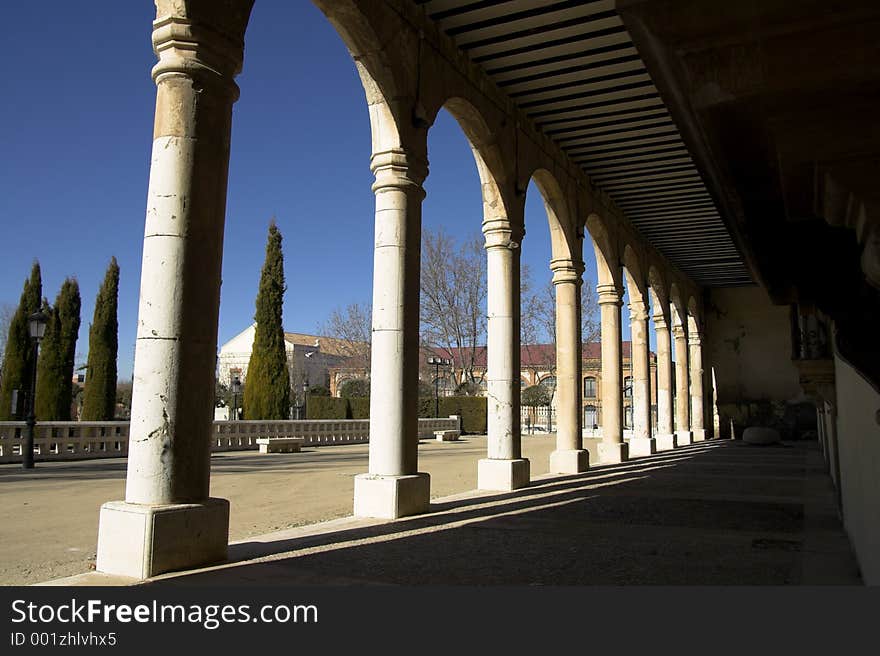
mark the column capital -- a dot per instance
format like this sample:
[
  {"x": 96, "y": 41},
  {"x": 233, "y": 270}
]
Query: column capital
[
  {"x": 398, "y": 169},
  {"x": 638, "y": 311},
  {"x": 567, "y": 270},
  {"x": 201, "y": 40},
  {"x": 609, "y": 295},
  {"x": 501, "y": 233},
  {"x": 678, "y": 332},
  {"x": 660, "y": 322},
  {"x": 695, "y": 338}
]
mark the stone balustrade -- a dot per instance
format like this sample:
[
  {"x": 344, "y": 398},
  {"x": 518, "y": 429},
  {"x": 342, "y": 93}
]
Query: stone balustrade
[{"x": 80, "y": 440}]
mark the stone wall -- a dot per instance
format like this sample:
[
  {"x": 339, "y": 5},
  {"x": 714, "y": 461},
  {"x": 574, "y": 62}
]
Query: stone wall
[
  {"x": 858, "y": 452},
  {"x": 749, "y": 347},
  {"x": 83, "y": 440}
]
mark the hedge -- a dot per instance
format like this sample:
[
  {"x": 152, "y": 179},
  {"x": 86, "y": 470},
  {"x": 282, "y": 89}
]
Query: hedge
[
  {"x": 359, "y": 407},
  {"x": 327, "y": 407},
  {"x": 471, "y": 409}
]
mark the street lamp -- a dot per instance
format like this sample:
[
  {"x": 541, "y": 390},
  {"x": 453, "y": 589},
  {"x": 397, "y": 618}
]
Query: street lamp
[
  {"x": 236, "y": 390},
  {"x": 437, "y": 362},
  {"x": 37, "y": 328},
  {"x": 305, "y": 399}
]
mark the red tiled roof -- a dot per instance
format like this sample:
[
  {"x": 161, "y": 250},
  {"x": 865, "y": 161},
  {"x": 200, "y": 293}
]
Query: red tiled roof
[{"x": 532, "y": 355}]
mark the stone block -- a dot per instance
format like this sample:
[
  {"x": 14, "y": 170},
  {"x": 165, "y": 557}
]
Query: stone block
[
  {"x": 699, "y": 434},
  {"x": 665, "y": 442},
  {"x": 612, "y": 454},
  {"x": 683, "y": 438},
  {"x": 761, "y": 435},
  {"x": 141, "y": 541},
  {"x": 280, "y": 444},
  {"x": 504, "y": 475},
  {"x": 573, "y": 461},
  {"x": 447, "y": 435},
  {"x": 642, "y": 446},
  {"x": 390, "y": 497}
]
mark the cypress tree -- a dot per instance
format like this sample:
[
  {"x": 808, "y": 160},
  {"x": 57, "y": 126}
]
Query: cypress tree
[
  {"x": 267, "y": 393},
  {"x": 99, "y": 395},
  {"x": 57, "y": 352},
  {"x": 17, "y": 360}
]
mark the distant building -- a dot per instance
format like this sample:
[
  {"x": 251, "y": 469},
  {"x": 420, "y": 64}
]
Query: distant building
[
  {"x": 309, "y": 357},
  {"x": 537, "y": 367}
]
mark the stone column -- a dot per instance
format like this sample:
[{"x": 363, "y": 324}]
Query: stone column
[
  {"x": 642, "y": 443},
  {"x": 698, "y": 418},
  {"x": 665, "y": 432},
  {"x": 394, "y": 487},
  {"x": 612, "y": 449},
  {"x": 683, "y": 433},
  {"x": 504, "y": 468},
  {"x": 569, "y": 457},
  {"x": 168, "y": 521}
]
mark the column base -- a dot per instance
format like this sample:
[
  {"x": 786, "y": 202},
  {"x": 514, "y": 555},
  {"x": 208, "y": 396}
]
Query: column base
[
  {"x": 504, "y": 475},
  {"x": 572, "y": 461},
  {"x": 699, "y": 434},
  {"x": 141, "y": 541},
  {"x": 390, "y": 497},
  {"x": 642, "y": 446},
  {"x": 683, "y": 438},
  {"x": 665, "y": 442},
  {"x": 613, "y": 454}
]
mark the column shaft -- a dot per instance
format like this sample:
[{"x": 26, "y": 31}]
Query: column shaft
[
  {"x": 503, "y": 356},
  {"x": 395, "y": 336},
  {"x": 504, "y": 468},
  {"x": 568, "y": 360},
  {"x": 569, "y": 457},
  {"x": 612, "y": 379},
  {"x": 682, "y": 393},
  {"x": 172, "y": 405},
  {"x": 641, "y": 367},
  {"x": 696, "y": 380},
  {"x": 664, "y": 378}
]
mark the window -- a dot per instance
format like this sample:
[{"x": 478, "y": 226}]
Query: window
[
  {"x": 628, "y": 387},
  {"x": 590, "y": 417},
  {"x": 589, "y": 388},
  {"x": 628, "y": 417}
]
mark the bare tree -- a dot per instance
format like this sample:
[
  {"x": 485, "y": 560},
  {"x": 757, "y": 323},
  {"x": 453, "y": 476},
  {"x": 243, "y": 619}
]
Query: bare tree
[
  {"x": 352, "y": 327},
  {"x": 453, "y": 299},
  {"x": 538, "y": 317}
]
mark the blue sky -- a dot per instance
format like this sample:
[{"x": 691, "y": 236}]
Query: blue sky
[{"x": 78, "y": 118}]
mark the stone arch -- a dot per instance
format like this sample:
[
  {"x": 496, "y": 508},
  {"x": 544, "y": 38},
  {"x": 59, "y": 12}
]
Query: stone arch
[
  {"x": 386, "y": 89},
  {"x": 607, "y": 270},
  {"x": 564, "y": 244},
  {"x": 677, "y": 306},
  {"x": 636, "y": 281},
  {"x": 694, "y": 320},
  {"x": 488, "y": 157},
  {"x": 657, "y": 292}
]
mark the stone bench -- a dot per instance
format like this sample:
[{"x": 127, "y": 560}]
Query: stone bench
[
  {"x": 280, "y": 444},
  {"x": 449, "y": 435}
]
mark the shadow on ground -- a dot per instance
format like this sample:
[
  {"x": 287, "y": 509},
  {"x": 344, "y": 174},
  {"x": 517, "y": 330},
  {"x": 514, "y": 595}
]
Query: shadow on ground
[{"x": 714, "y": 513}]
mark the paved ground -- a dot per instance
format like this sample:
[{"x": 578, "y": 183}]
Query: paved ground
[
  {"x": 49, "y": 515},
  {"x": 717, "y": 513}
]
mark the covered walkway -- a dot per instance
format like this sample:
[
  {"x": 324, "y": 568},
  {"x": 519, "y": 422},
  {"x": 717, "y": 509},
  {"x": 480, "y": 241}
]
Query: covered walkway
[{"x": 712, "y": 513}]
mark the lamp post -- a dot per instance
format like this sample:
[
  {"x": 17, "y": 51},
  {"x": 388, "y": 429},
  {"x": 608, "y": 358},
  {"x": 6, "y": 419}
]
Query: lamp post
[
  {"x": 37, "y": 328},
  {"x": 305, "y": 413},
  {"x": 437, "y": 362},
  {"x": 236, "y": 390}
]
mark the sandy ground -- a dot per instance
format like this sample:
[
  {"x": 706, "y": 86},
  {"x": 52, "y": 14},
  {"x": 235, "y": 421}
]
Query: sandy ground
[{"x": 49, "y": 515}]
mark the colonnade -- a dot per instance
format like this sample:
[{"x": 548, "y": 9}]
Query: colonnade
[{"x": 168, "y": 519}]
